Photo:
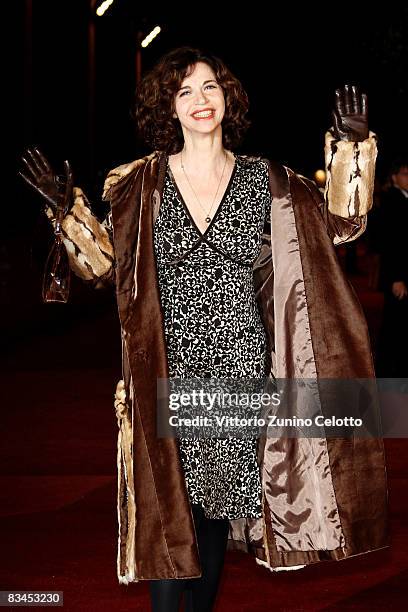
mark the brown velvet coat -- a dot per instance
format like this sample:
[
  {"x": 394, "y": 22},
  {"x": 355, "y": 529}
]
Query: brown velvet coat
[{"x": 323, "y": 499}]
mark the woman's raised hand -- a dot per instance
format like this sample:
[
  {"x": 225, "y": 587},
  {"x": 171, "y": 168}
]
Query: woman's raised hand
[
  {"x": 350, "y": 119},
  {"x": 38, "y": 173}
]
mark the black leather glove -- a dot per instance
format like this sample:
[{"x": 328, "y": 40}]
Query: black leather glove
[
  {"x": 350, "y": 120},
  {"x": 56, "y": 190}
]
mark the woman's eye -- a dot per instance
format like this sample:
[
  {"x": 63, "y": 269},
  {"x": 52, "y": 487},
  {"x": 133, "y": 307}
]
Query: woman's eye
[{"x": 182, "y": 94}]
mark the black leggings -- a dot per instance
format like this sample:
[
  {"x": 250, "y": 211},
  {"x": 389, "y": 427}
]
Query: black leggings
[{"x": 200, "y": 593}]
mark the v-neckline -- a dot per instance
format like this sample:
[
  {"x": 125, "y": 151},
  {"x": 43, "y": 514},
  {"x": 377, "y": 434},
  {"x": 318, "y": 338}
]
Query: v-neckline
[{"x": 220, "y": 205}]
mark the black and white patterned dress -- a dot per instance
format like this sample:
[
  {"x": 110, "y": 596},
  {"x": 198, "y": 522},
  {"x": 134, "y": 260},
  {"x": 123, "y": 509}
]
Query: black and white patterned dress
[{"x": 213, "y": 326}]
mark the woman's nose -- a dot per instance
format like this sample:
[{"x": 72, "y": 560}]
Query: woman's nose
[{"x": 201, "y": 97}]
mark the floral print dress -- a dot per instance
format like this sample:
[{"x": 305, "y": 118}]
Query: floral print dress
[{"x": 213, "y": 327}]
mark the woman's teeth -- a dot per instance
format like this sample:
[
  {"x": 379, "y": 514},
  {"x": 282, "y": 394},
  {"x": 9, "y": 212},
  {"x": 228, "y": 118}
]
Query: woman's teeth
[{"x": 204, "y": 114}]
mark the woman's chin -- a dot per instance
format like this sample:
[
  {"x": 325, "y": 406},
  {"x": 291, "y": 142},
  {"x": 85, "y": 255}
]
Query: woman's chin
[{"x": 204, "y": 127}]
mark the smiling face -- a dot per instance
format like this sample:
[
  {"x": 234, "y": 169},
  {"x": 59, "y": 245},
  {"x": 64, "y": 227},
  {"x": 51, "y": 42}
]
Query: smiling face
[{"x": 200, "y": 91}]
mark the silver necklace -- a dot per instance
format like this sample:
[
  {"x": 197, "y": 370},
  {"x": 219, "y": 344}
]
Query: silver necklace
[{"x": 207, "y": 218}]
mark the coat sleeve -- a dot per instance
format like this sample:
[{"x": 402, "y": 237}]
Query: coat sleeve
[
  {"x": 88, "y": 242},
  {"x": 348, "y": 194}
]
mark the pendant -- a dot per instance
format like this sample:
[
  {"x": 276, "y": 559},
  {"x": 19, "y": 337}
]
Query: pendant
[{"x": 208, "y": 219}]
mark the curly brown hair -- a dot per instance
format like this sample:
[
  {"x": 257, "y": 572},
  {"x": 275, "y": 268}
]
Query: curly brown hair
[{"x": 154, "y": 102}]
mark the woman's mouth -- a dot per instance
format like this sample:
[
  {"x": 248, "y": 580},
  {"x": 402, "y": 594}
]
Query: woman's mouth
[{"x": 203, "y": 115}]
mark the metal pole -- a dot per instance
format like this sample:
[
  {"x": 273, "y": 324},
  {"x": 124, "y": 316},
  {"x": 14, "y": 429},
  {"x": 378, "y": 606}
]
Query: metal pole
[
  {"x": 139, "y": 38},
  {"x": 28, "y": 69},
  {"x": 91, "y": 88}
]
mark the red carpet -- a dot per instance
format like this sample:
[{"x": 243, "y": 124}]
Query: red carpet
[{"x": 58, "y": 480}]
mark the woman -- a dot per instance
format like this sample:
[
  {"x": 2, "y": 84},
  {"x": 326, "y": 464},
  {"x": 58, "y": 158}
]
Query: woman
[{"x": 212, "y": 255}]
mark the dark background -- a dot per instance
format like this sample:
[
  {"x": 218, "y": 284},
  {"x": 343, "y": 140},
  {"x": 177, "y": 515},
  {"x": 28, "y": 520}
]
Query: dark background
[
  {"x": 58, "y": 450},
  {"x": 289, "y": 58}
]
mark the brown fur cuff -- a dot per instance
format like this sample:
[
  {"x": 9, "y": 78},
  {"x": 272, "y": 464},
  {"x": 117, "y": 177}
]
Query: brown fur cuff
[
  {"x": 87, "y": 241},
  {"x": 350, "y": 172}
]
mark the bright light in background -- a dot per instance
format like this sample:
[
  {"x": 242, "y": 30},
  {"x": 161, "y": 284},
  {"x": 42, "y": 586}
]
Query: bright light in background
[
  {"x": 150, "y": 36},
  {"x": 103, "y": 7},
  {"x": 320, "y": 177}
]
